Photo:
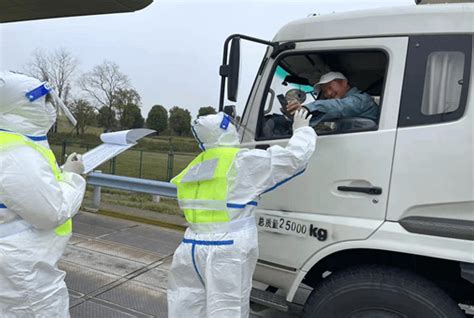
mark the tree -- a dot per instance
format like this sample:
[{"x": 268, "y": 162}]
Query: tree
[
  {"x": 124, "y": 99},
  {"x": 180, "y": 121},
  {"x": 103, "y": 85},
  {"x": 84, "y": 114},
  {"x": 106, "y": 118},
  {"x": 157, "y": 119},
  {"x": 56, "y": 67},
  {"x": 131, "y": 117},
  {"x": 206, "y": 111}
]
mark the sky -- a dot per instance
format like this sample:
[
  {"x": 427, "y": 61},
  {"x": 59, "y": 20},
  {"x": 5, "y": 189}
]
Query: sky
[{"x": 171, "y": 50}]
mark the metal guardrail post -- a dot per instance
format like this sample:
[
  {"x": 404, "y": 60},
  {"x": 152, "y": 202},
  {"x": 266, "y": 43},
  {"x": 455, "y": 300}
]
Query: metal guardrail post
[
  {"x": 170, "y": 165},
  {"x": 141, "y": 164},
  {"x": 96, "y": 195},
  {"x": 170, "y": 161},
  {"x": 114, "y": 165},
  {"x": 63, "y": 152}
]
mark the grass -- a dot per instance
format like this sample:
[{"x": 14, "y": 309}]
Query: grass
[{"x": 137, "y": 200}]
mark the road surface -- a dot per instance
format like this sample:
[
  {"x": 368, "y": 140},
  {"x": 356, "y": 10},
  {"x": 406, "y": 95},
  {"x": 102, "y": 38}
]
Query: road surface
[{"x": 118, "y": 268}]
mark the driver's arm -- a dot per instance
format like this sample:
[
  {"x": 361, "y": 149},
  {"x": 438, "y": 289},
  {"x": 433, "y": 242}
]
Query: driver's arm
[{"x": 350, "y": 106}]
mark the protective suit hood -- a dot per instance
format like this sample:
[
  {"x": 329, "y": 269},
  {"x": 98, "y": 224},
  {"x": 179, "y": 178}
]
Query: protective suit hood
[
  {"x": 215, "y": 130},
  {"x": 17, "y": 112}
]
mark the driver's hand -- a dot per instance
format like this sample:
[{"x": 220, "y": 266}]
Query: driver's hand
[{"x": 293, "y": 106}]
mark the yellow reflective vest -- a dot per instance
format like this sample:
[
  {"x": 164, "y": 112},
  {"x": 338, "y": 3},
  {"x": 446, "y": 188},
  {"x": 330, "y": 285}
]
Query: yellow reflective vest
[
  {"x": 9, "y": 140},
  {"x": 203, "y": 186}
]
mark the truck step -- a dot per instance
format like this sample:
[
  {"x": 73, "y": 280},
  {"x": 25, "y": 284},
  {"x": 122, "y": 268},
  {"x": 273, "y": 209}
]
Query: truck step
[{"x": 269, "y": 299}]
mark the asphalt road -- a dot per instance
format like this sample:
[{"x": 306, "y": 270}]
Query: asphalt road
[{"x": 118, "y": 268}]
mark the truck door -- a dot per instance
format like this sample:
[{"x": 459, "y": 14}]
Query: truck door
[
  {"x": 432, "y": 185},
  {"x": 343, "y": 193}
]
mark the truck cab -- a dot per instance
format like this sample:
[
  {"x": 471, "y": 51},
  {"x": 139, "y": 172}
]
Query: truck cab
[{"x": 381, "y": 223}]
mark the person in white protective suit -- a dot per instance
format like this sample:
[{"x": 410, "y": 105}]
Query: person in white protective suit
[
  {"x": 37, "y": 202},
  {"x": 211, "y": 272}
]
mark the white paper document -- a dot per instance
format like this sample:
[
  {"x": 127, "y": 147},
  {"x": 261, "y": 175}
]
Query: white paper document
[{"x": 114, "y": 143}]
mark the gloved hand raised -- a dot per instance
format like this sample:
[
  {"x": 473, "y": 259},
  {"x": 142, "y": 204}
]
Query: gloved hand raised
[
  {"x": 301, "y": 118},
  {"x": 74, "y": 164}
]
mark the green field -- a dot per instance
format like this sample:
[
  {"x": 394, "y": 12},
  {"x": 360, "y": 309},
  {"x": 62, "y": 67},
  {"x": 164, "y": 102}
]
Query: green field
[
  {"x": 140, "y": 201},
  {"x": 137, "y": 163},
  {"x": 151, "y": 158}
]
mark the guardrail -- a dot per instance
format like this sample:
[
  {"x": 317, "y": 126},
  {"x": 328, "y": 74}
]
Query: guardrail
[{"x": 99, "y": 180}]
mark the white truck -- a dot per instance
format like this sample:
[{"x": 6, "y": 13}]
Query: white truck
[{"x": 381, "y": 223}]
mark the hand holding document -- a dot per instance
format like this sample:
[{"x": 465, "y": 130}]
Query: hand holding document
[{"x": 114, "y": 143}]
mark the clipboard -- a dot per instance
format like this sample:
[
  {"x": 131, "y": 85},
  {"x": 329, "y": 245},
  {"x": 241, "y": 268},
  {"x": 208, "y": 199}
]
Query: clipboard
[{"x": 114, "y": 143}]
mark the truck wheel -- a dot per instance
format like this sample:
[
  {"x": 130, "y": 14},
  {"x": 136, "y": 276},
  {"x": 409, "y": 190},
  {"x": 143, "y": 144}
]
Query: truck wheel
[{"x": 381, "y": 292}]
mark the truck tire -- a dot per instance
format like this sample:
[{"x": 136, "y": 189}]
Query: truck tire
[{"x": 379, "y": 292}]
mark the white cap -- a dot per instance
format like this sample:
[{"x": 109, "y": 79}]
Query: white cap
[{"x": 328, "y": 77}]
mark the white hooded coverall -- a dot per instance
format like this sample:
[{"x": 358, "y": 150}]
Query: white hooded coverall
[
  {"x": 211, "y": 272},
  {"x": 33, "y": 203}
]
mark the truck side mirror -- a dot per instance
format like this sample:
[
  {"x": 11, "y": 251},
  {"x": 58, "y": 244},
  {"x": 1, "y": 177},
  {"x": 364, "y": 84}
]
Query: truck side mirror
[
  {"x": 234, "y": 69},
  {"x": 230, "y": 110},
  {"x": 230, "y": 67}
]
